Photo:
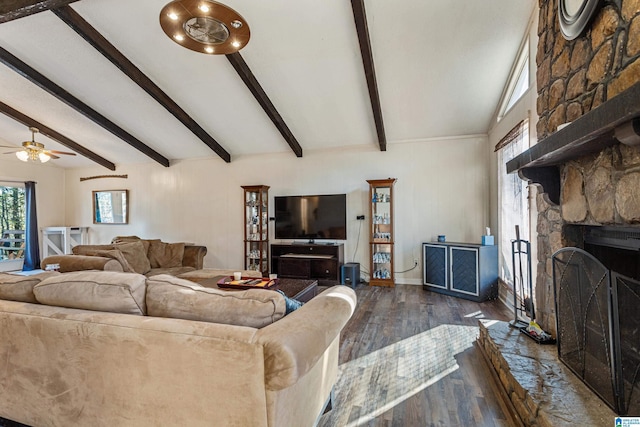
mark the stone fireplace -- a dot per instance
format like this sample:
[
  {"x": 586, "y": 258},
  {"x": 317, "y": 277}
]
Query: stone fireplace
[
  {"x": 587, "y": 167},
  {"x": 587, "y": 176}
]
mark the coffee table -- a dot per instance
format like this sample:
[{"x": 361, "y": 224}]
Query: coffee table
[{"x": 297, "y": 289}]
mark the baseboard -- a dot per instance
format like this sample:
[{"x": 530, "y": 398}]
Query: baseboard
[{"x": 417, "y": 282}]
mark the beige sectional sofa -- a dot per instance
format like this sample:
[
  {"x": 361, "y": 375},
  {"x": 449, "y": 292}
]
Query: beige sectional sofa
[
  {"x": 115, "y": 349},
  {"x": 132, "y": 254}
]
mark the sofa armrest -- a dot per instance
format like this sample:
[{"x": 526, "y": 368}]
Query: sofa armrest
[
  {"x": 194, "y": 256},
  {"x": 81, "y": 262},
  {"x": 293, "y": 344}
]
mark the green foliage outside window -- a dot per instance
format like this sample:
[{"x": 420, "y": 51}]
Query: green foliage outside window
[{"x": 12, "y": 217}]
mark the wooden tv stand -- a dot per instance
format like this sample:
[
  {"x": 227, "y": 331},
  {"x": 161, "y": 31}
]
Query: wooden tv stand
[{"x": 308, "y": 261}]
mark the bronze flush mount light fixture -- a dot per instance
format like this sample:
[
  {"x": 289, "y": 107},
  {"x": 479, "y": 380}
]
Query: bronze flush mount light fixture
[{"x": 205, "y": 26}]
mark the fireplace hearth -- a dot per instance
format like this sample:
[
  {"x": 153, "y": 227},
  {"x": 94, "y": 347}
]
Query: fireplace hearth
[{"x": 596, "y": 309}]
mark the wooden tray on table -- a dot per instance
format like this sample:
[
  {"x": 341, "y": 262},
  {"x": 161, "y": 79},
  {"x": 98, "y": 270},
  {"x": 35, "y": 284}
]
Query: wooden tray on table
[{"x": 247, "y": 283}]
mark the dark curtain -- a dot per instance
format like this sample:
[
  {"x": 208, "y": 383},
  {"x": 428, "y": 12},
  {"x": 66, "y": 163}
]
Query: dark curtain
[{"x": 32, "y": 246}]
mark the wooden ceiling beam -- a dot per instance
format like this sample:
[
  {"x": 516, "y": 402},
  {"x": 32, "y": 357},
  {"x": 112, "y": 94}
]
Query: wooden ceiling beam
[
  {"x": 102, "y": 45},
  {"x": 14, "y": 9},
  {"x": 362, "y": 29},
  {"x": 40, "y": 80},
  {"x": 45, "y": 130},
  {"x": 243, "y": 70}
]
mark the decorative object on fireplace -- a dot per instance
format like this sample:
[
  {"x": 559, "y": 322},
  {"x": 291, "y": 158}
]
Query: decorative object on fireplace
[
  {"x": 575, "y": 15},
  {"x": 598, "y": 327}
]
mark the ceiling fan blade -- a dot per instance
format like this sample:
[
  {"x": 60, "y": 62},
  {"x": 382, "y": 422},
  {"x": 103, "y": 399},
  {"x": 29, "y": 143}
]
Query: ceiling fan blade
[
  {"x": 10, "y": 146},
  {"x": 61, "y": 152},
  {"x": 53, "y": 156},
  {"x": 11, "y": 152}
]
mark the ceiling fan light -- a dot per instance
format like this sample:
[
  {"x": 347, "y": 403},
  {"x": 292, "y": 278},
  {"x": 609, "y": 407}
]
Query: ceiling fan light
[
  {"x": 44, "y": 157},
  {"x": 204, "y": 8},
  {"x": 22, "y": 155}
]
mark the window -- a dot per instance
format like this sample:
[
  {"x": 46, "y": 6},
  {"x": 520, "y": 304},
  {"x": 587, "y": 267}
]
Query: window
[
  {"x": 522, "y": 84},
  {"x": 513, "y": 200},
  {"x": 12, "y": 224},
  {"x": 518, "y": 82}
]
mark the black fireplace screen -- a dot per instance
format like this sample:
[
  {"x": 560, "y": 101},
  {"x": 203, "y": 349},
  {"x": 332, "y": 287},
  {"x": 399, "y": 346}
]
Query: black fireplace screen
[
  {"x": 627, "y": 293},
  {"x": 598, "y": 332}
]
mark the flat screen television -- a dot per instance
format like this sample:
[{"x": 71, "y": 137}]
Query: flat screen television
[{"x": 311, "y": 217}]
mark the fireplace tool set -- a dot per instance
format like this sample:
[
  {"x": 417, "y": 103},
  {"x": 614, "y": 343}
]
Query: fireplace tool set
[{"x": 523, "y": 295}]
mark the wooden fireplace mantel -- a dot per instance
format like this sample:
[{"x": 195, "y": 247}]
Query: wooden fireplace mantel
[{"x": 591, "y": 133}]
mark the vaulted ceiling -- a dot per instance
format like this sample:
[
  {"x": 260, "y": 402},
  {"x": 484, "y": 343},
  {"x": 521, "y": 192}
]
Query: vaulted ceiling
[{"x": 100, "y": 77}]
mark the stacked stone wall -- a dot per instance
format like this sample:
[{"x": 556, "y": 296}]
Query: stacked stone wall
[{"x": 574, "y": 77}]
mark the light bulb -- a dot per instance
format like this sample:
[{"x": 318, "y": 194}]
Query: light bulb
[
  {"x": 208, "y": 49},
  {"x": 173, "y": 16},
  {"x": 44, "y": 157},
  {"x": 204, "y": 8},
  {"x": 22, "y": 155},
  {"x": 178, "y": 37}
]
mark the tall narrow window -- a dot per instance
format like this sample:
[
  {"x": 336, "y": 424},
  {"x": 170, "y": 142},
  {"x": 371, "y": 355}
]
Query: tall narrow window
[
  {"x": 12, "y": 227},
  {"x": 512, "y": 197},
  {"x": 522, "y": 84},
  {"x": 518, "y": 83}
]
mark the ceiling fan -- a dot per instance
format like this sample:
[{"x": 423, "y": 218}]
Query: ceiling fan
[{"x": 32, "y": 150}]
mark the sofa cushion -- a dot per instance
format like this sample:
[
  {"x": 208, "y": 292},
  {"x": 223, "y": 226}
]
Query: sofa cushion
[
  {"x": 165, "y": 255},
  {"x": 95, "y": 290},
  {"x": 134, "y": 252},
  {"x": 126, "y": 239},
  {"x": 16, "y": 287},
  {"x": 173, "y": 271},
  {"x": 135, "y": 255},
  {"x": 87, "y": 249},
  {"x": 169, "y": 296},
  {"x": 69, "y": 263},
  {"x": 113, "y": 254}
]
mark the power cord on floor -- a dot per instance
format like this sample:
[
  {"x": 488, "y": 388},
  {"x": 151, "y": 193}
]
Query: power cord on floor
[
  {"x": 415, "y": 264},
  {"x": 353, "y": 258}
]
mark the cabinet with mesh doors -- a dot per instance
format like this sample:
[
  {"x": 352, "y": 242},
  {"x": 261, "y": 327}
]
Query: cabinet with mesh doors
[{"x": 464, "y": 270}]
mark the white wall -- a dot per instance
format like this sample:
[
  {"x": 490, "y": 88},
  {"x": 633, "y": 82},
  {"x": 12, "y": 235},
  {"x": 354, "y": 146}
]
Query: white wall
[{"x": 442, "y": 188}]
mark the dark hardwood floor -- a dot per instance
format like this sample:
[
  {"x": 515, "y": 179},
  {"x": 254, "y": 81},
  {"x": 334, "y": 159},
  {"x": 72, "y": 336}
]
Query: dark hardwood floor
[{"x": 408, "y": 358}]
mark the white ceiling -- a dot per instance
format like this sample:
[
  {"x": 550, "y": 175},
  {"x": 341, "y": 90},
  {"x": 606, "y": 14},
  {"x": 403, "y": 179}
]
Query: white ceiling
[{"x": 441, "y": 67}]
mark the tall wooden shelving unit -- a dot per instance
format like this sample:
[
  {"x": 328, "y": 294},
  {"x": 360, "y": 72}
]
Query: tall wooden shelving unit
[
  {"x": 381, "y": 232},
  {"x": 256, "y": 228}
]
